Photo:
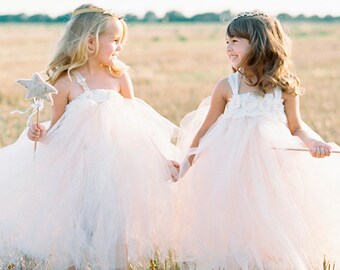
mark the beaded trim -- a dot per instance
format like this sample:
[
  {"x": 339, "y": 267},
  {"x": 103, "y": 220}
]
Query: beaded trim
[{"x": 249, "y": 14}]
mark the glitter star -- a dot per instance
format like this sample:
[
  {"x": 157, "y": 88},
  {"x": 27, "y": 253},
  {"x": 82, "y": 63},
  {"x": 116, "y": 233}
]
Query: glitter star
[{"x": 38, "y": 88}]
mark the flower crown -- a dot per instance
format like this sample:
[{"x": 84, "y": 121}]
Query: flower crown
[
  {"x": 250, "y": 14},
  {"x": 95, "y": 10}
]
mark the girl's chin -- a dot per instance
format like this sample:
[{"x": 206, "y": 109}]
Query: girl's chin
[
  {"x": 110, "y": 62},
  {"x": 234, "y": 65}
]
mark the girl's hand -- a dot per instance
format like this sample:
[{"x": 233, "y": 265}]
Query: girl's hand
[
  {"x": 191, "y": 159},
  {"x": 174, "y": 169},
  {"x": 318, "y": 149},
  {"x": 36, "y": 132}
]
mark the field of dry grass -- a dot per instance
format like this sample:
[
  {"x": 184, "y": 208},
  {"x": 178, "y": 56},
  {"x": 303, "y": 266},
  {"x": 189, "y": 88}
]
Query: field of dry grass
[{"x": 174, "y": 66}]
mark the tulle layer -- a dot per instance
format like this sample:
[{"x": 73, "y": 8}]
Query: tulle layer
[
  {"x": 95, "y": 193},
  {"x": 248, "y": 203}
]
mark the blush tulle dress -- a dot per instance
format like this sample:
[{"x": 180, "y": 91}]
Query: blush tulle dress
[
  {"x": 98, "y": 190},
  {"x": 246, "y": 202}
]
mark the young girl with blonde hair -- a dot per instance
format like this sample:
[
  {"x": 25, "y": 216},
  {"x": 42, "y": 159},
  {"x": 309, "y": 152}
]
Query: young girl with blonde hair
[
  {"x": 252, "y": 197},
  {"x": 96, "y": 193}
]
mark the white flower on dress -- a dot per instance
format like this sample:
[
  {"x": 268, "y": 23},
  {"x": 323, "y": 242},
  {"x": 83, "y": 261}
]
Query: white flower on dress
[{"x": 252, "y": 105}]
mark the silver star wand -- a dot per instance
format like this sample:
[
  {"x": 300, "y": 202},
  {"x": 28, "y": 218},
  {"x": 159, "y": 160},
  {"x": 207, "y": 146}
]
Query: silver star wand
[{"x": 38, "y": 90}]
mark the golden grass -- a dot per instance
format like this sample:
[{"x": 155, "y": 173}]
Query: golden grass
[{"x": 174, "y": 66}]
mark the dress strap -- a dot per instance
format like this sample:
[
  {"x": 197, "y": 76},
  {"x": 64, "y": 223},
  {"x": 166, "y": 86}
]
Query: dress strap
[
  {"x": 278, "y": 93},
  {"x": 81, "y": 80},
  {"x": 234, "y": 82}
]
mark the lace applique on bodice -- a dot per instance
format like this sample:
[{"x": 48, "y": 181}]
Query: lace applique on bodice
[
  {"x": 98, "y": 95},
  {"x": 252, "y": 105},
  {"x": 94, "y": 95}
]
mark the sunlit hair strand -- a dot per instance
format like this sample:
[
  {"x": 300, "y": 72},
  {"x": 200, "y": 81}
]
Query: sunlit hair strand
[{"x": 72, "y": 49}]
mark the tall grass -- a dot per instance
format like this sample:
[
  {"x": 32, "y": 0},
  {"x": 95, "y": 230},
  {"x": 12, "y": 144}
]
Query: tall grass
[{"x": 174, "y": 66}]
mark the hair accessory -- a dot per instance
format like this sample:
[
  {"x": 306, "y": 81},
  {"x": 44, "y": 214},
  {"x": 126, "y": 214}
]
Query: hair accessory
[
  {"x": 95, "y": 10},
  {"x": 249, "y": 14}
]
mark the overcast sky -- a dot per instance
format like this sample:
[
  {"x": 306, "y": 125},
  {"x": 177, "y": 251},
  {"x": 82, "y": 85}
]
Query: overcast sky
[{"x": 187, "y": 7}]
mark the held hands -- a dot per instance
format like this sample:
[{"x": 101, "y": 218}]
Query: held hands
[
  {"x": 318, "y": 149},
  {"x": 185, "y": 166},
  {"x": 36, "y": 132},
  {"x": 191, "y": 159},
  {"x": 174, "y": 169}
]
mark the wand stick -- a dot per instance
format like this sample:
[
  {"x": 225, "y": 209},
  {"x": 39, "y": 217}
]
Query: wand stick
[
  {"x": 38, "y": 90},
  {"x": 302, "y": 150},
  {"x": 36, "y": 140}
]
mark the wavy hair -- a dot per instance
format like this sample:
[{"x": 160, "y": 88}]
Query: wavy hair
[
  {"x": 72, "y": 50},
  {"x": 268, "y": 57}
]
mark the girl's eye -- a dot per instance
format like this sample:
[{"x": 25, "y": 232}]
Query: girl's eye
[{"x": 232, "y": 40}]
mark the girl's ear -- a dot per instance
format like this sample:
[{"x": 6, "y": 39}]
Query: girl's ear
[{"x": 91, "y": 42}]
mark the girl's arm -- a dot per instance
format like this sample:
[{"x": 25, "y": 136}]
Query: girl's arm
[
  {"x": 221, "y": 94},
  {"x": 317, "y": 148},
  {"x": 60, "y": 100},
  {"x": 126, "y": 87}
]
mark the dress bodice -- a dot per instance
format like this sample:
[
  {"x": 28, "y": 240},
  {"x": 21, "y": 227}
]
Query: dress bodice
[
  {"x": 92, "y": 95},
  {"x": 251, "y": 104},
  {"x": 97, "y": 95}
]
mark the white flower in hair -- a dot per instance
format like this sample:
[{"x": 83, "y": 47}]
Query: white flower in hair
[{"x": 250, "y": 14}]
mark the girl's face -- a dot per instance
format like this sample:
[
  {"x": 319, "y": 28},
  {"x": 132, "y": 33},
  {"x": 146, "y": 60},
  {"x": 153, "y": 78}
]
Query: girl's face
[
  {"x": 237, "y": 48},
  {"x": 110, "y": 43}
]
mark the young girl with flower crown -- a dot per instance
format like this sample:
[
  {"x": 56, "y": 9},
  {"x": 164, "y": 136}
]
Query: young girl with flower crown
[
  {"x": 252, "y": 197},
  {"x": 96, "y": 192}
]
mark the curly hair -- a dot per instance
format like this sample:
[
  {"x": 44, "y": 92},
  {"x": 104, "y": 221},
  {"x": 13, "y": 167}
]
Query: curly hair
[{"x": 268, "y": 55}]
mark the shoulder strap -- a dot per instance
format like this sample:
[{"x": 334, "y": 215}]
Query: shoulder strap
[
  {"x": 81, "y": 80},
  {"x": 234, "y": 82},
  {"x": 278, "y": 92}
]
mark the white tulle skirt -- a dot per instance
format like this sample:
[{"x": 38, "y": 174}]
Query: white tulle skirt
[
  {"x": 97, "y": 192},
  {"x": 247, "y": 204}
]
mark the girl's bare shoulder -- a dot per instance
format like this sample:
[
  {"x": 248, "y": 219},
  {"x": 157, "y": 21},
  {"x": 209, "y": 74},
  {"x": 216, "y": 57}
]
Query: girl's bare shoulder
[
  {"x": 65, "y": 84},
  {"x": 223, "y": 88}
]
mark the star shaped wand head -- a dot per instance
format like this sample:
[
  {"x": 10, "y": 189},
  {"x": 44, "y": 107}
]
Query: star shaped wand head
[{"x": 38, "y": 88}]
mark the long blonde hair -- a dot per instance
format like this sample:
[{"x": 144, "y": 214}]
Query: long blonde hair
[
  {"x": 268, "y": 57},
  {"x": 72, "y": 49}
]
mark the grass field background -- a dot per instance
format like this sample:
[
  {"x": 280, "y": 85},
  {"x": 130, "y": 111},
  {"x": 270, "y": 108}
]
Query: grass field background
[{"x": 174, "y": 66}]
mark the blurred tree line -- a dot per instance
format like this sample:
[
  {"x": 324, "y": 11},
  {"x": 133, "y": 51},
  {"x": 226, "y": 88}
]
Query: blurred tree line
[{"x": 171, "y": 16}]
